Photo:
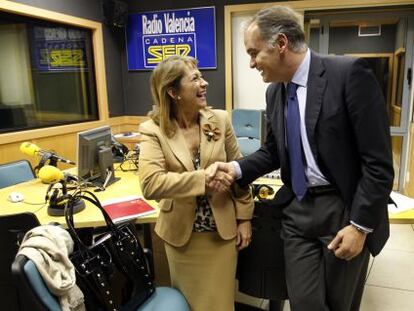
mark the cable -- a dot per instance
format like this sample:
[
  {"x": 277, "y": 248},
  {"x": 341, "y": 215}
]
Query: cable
[
  {"x": 32, "y": 203},
  {"x": 43, "y": 206}
]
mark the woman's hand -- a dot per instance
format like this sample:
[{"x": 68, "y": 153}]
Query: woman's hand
[
  {"x": 244, "y": 234},
  {"x": 216, "y": 180}
]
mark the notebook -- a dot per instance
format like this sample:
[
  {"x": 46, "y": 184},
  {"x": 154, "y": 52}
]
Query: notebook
[{"x": 127, "y": 208}]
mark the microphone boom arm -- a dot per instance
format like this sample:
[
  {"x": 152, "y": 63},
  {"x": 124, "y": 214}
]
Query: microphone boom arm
[{"x": 44, "y": 158}]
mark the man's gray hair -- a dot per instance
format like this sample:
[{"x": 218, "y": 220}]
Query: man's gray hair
[{"x": 280, "y": 19}]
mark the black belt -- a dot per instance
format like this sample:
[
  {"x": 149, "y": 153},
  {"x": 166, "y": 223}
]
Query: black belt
[{"x": 324, "y": 189}]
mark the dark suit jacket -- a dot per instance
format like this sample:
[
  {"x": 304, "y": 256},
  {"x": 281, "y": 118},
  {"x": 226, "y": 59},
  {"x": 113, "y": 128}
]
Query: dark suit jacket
[{"x": 348, "y": 132}]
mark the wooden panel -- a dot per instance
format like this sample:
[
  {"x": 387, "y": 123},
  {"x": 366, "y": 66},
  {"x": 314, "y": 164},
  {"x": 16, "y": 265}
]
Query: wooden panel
[
  {"x": 64, "y": 144},
  {"x": 409, "y": 186}
]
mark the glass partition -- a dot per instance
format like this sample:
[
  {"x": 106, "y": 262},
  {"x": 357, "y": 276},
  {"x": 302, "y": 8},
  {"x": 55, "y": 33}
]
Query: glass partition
[{"x": 46, "y": 74}]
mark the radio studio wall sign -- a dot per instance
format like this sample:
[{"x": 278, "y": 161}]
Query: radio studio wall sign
[
  {"x": 59, "y": 49},
  {"x": 154, "y": 36}
]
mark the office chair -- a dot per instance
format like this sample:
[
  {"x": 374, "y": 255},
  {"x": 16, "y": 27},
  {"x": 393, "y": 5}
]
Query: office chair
[
  {"x": 35, "y": 296},
  {"x": 15, "y": 172},
  {"x": 248, "y": 126},
  {"x": 12, "y": 231}
]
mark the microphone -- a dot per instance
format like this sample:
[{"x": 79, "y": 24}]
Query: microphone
[
  {"x": 32, "y": 149},
  {"x": 50, "y": 174}
]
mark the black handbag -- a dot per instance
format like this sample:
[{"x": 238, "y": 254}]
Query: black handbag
[{"x": 112, "y": 272}]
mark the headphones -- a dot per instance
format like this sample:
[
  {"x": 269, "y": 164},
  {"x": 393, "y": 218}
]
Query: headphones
[
  {"x": 58, "y": 197},
  {"x": 262, "y": 192},
  {"x": 118, "y": 149}
]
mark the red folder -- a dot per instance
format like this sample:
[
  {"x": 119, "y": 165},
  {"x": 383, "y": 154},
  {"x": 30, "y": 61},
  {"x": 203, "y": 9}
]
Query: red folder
[{"x": 126, "y": 208}]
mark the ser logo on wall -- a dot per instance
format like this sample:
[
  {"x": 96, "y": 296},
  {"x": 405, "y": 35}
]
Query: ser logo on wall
[{"x": 154, "y": 36}]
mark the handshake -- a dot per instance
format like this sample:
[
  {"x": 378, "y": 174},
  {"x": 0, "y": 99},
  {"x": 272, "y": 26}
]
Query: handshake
[{"x": 219, "y": 177}]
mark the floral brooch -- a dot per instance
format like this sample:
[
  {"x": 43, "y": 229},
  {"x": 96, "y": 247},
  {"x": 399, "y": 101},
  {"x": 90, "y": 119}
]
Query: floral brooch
[{"x": 210, "y": 132}]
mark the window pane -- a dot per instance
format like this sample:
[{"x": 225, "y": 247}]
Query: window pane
[{"x": 46, "y": 74}]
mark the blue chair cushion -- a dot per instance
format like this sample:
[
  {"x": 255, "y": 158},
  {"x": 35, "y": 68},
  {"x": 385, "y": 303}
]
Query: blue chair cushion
[
  {"x": 15, "y": 172},
  {"x": 39, "y": 287},
  {"x": 247, "y": 123},
  {"x": 165, "y": 298},
  {"x": 248, "y": 145}
]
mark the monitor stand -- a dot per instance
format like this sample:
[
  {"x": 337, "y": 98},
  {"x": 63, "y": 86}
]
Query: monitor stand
[
  {"x": 106, "y": 168},
  {"x": 110, "y": 178}
]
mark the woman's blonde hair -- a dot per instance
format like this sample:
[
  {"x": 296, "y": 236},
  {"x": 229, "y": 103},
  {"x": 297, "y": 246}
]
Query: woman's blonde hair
[{"x": 167, "y": 75}]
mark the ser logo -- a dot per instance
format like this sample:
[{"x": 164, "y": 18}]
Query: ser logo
[
  {"x": 159, "y": 52},
  {"x": 62, "y": 58}
]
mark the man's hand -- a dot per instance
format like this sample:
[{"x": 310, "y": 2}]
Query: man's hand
[
  {"x": 348, "y": 243},
  {"x": 217, "y": 180},
  {"x": 227, "y": 167},
  {"x": 244, "y": 234}
]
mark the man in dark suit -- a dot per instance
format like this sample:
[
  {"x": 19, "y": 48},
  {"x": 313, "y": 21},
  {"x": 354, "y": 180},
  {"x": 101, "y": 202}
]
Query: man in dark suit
[{"x": 327, "y": 130}]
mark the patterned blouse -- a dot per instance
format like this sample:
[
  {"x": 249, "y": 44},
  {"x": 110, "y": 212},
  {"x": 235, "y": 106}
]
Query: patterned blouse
[{"x": 204, "y": 218}]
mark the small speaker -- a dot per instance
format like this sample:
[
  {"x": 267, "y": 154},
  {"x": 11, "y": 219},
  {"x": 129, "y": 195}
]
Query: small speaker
[{"x": 115, "y": 13}]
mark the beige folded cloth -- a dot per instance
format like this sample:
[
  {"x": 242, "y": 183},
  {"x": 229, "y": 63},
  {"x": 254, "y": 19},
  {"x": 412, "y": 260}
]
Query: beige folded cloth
[{"x": 49, "y": 248}]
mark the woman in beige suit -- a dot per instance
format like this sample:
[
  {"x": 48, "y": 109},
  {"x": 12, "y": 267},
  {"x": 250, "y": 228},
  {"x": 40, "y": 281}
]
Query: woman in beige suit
[{"x": 201, "y": 229}]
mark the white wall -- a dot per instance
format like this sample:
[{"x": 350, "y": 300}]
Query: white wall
[{"x": 248, "y": 86}]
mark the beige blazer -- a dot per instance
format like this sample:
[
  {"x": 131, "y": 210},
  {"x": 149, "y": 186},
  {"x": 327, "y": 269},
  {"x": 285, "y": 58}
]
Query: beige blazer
[{"x": 167, "y": 174}]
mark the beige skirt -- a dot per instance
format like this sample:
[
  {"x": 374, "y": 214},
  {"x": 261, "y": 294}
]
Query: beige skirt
[{"x": 204, "y": 271}]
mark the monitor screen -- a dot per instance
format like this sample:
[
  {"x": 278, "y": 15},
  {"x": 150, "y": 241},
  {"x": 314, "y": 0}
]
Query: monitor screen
[{"x": 95, "y": 162}]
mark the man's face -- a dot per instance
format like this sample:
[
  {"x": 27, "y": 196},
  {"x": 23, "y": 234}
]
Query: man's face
[{"x": 263, "y": 57}]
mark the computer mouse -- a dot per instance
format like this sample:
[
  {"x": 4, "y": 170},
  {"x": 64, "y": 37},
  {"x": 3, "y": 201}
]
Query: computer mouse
[{"x": 15, "y": 197}]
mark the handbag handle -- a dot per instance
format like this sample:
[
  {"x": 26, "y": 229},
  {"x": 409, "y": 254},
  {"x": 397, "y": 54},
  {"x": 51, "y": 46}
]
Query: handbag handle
[{"x": 95, "y": 201}]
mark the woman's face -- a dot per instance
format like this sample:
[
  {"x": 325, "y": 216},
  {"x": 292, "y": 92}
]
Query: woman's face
[{"x": 193, "y": 89}]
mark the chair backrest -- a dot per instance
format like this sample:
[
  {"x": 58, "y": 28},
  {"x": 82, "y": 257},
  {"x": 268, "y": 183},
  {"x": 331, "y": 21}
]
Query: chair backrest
[
  {"x": 33, "y": 293},
  {"x": 249, "y": 127},
  {"x": 12, "y": 231},
  {"x": 15, "y": 172},
  {"x": 35, "y": 296}
]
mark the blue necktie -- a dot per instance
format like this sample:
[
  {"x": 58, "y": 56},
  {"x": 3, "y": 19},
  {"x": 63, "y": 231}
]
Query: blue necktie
[{"x": 294, "y": 143}]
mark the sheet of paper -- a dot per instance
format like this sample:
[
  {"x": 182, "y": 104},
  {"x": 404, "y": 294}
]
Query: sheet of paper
[
  {"x": 403, "y": 203},
  {"x": 127, "y": 135}
]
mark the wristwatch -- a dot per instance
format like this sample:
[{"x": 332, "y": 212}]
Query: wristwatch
[{"x": 360, "y": 229}]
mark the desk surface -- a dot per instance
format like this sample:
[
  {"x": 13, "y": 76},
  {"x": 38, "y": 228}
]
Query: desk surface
[{"x": 34, "y": 193}]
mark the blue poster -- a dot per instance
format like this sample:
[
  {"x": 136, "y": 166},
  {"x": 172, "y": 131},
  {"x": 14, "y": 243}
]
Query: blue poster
[{"x": 154, "y": 36}]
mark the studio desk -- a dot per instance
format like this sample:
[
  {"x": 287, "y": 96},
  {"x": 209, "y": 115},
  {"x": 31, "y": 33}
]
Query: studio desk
[{"x": 34, "y": 192}]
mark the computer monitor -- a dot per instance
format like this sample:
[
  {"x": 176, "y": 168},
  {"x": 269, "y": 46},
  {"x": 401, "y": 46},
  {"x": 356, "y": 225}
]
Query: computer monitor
[{"x": 95, "y": 162}]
